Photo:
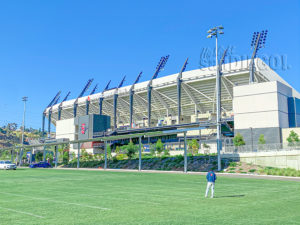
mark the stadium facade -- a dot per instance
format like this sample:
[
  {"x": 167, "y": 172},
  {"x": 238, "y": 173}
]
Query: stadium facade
[{"x": 188, "y": 98}]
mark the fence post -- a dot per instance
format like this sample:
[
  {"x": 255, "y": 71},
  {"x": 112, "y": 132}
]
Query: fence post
[
  {"x": 185, "y": 154},
  {"x": 78, "y": 155},
  {"x": 12, "y": 155},
  {"x": 21, "y": 156},
  {"x": 44, "y": 153},
  {"x": 140, "y": 153},
  {"x": 105, "y": 155},
  {"x": 30, "y": 156},
  {"x": 56, "y": 158}
]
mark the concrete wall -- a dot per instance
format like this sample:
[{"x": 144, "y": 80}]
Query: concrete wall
[
  {"x": 281, "y": 159},
  {"x": 261, "y": 105},
  {"x": 261, "y": 108},
  {"x": 66, "y": 129}
]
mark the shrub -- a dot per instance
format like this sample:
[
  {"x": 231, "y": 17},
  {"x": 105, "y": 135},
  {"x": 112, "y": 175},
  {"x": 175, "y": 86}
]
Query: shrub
[
  {"x": 293, "y": 138},
  {"x": 238, "y": 140},
  {"x": 252, "y": 170},
  {"x": 120, "y": 156},
  {"x": 159, "y": 146},
  {"x": 232, "y": 164},
  {"x": 261, "y": 140}
]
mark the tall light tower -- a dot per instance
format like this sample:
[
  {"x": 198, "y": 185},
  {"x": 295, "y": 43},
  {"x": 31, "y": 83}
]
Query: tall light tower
[
  {"x": 214, "y": 32},
  {"x": 24, "y": 99}
]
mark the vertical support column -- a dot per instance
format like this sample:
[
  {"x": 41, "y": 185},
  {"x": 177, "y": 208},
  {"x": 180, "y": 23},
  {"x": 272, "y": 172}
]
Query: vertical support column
[
  {"x": 43, "y": 124},
  {"x": 179, "y": 99},
  {"x": 78, "y": 155},
  {"x": 105, "y": 155},
  {"x": 131, "y": 107},
  {"x": 75, "y": 110},
  {"x": 149, "y": 105},
  {"x": 100, "y": 105},
  {"x": 185, "y": 153},
  {"x": 56, "y": 155},
  {"x": 59, "y": 113},
  {"x": 49, "y": 123},
  {"x": 115, "y": 110},
  {"x": 199, "y": 138},
  {"x": 87, "y": 107},
  {"x": 140, "y": 153}
]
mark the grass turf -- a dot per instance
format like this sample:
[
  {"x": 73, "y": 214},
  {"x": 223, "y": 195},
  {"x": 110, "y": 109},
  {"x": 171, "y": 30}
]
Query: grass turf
[{"x": 48, "y": 196}]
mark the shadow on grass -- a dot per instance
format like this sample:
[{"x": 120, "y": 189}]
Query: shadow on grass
[{"x": 230, "y": 196}]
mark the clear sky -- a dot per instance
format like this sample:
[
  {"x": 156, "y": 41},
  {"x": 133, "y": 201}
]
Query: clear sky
[{"x": 47, "y": 46}]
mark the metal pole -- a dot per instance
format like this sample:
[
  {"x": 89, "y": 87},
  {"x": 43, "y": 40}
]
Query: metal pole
[
  {"x": 185, "y": 154},
  {"x": 105, "y": 155},
  {"x": 149, "y": 106},
  {"x": 115, "y": 110},
  {"x": 140, "y": 153},
  {"x": 24, "y": 99},
  {"x": 49, "y": 123},
  {"x": 56, "y": 158},
  {"x": 43, "y": 125},
  {"x": 30, "y": 159},
  {"x": 179, "y": 99},
  {"x": 218, "y": 87},
  {"x": 131, "y": 107},
  {"x": 78, "y": 155}
]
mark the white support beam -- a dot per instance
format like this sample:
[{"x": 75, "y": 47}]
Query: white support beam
[
  {"x": 192, "y": 97},
  {"x": 163, "y": 102},
  {"x": 226, "y": 87}
]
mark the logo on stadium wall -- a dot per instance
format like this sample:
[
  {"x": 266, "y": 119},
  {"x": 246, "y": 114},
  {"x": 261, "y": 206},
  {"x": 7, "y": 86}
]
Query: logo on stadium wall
[{"x": 83, "y": 128}]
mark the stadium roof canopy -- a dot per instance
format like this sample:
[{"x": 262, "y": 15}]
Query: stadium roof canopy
[{"x": 198, "y": 93}]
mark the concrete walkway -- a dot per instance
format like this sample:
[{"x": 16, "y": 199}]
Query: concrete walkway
[{"x": 233, "y": 175}]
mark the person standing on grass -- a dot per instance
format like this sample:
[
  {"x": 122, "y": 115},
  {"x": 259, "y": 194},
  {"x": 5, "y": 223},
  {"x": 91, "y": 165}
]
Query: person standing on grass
[{"x": 211, "y": 178}]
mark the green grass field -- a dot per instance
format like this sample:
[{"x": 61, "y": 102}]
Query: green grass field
[{"x": 49, "y": 196}]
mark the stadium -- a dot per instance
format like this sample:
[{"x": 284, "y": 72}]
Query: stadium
[{"x": 268, "y": 106}]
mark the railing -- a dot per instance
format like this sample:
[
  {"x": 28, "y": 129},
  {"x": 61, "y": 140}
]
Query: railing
[{"x": 262, "y": 148}]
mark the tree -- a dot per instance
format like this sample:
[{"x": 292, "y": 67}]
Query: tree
[
  {"x": 238, "y": 140},
  {"x": 131, "y": 150},
  {"x": 261, "y": 139},
  {"x": 293, "y": 138},
  {"x": 159, "y": 146}
]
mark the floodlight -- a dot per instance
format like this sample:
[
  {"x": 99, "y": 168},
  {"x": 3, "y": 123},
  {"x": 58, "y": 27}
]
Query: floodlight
[
  {"x": 221, "y": 27},
  {"x": 209, "y": 36},
  {"x": 221, "y": 32},
  {"x": 209, "y": 31}
]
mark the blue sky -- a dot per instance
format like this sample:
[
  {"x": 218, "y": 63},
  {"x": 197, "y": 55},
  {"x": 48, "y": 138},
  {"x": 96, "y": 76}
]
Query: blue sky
[{"x": 47, "y": 46}]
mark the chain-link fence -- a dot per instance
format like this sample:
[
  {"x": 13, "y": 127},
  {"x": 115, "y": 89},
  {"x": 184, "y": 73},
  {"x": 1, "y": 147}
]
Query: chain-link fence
[{"x": 262, "y": 148}]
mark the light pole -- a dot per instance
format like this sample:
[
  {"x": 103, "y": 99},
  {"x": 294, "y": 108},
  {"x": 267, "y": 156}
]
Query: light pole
[
  {"x": 24, "y": 99},
  {"x": 214, "y": 32}
]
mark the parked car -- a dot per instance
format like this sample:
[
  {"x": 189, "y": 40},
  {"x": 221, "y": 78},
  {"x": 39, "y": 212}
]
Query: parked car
[
  {"x": 41, "y": 164},
  {"x": 7, "y": 165}
]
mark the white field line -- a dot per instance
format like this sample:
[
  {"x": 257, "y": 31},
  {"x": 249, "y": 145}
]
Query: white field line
[
  {"x": 56, "y": 201},
  {"x": 118, "y": 198},
  {"x": 22, "y": 212}
]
